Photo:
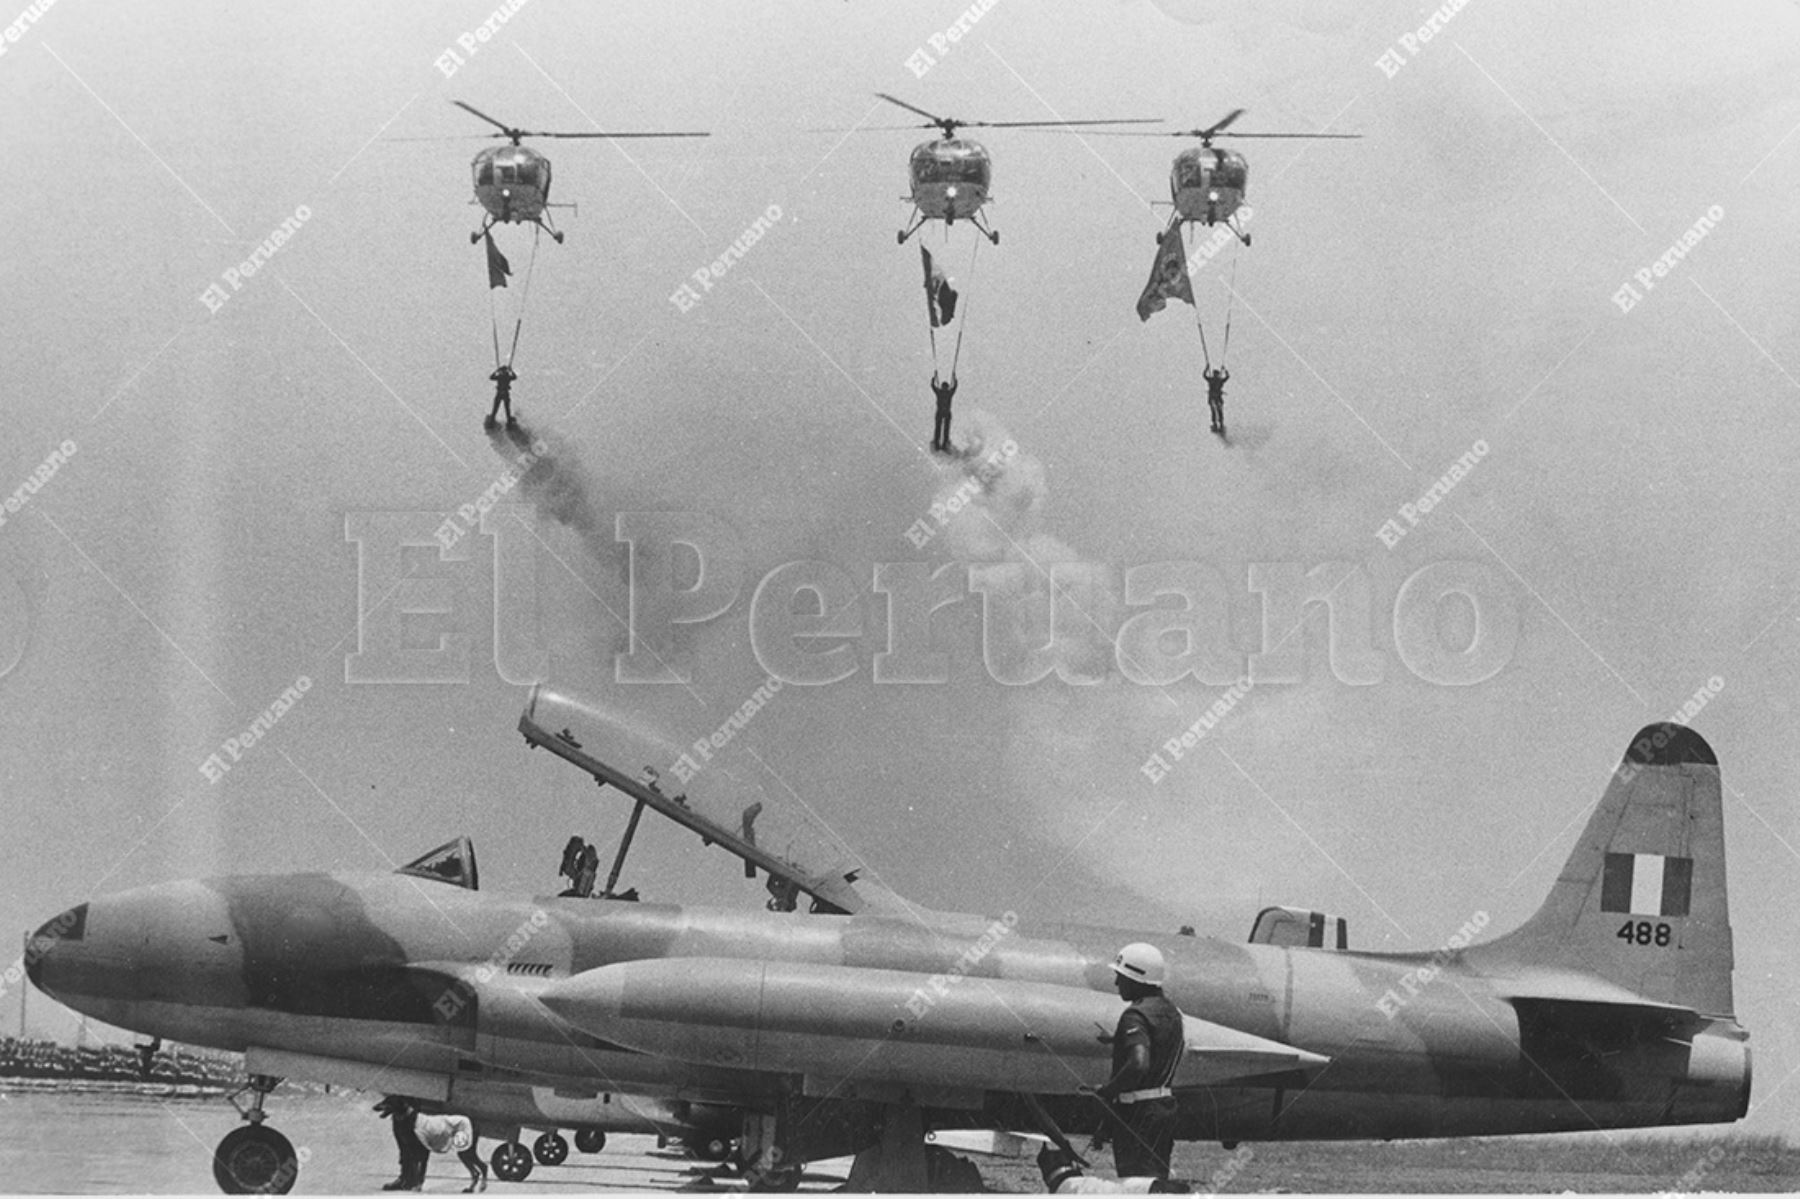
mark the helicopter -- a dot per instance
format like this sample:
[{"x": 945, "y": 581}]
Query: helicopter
[
  {"x": 513, "y": 182},
  {"x": 1207, "y": 183},
  {"x": 950, "y": 176}
]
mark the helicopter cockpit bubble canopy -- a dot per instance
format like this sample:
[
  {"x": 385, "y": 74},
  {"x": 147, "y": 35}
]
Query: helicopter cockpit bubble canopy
[
  {"x": 951, "y": 160},
  {"x": 710, "y": 783},
  {"x": 511, "y": 165},
  {"x": 1207, "y": 167}
]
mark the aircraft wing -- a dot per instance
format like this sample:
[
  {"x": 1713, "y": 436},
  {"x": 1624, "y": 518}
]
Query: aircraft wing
[{"x": 631, "y": 760}]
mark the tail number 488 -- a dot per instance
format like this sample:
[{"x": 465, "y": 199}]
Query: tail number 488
[{"x": 1644, "y": 932}]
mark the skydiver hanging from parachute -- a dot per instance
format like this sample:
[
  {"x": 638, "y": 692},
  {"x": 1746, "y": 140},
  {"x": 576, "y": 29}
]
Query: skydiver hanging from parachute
[
  {"x": 1169, "y": 278},
  {"x": 503, "y": 376},
  {"x": 941, "y": 299}
]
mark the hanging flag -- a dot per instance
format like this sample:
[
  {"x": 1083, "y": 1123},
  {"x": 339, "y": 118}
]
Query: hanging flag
[
  {"x": 940, "y": 297},
  {"x": 1168, "y": 277},
  {"x": 498, "y": 267}
]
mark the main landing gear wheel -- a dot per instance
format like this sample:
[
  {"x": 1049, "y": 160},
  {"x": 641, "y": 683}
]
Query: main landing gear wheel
[
  {"x": 255, "y": 1160},
  {"x": 590, "y": 1140},
  {"x": 712, "y": 1149},
  {"x": 511, "y": 1161},
  {"x": 550, "y": 1150}
]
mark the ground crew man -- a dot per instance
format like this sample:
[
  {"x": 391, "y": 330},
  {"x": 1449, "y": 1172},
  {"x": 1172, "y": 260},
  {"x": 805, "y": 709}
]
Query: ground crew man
[
  {"x": 940, "y": 432},
  {"x": 1215, "y": 396},
  {"x": 502, "y": 377},
  {"x": 1147, "y": 1047}
]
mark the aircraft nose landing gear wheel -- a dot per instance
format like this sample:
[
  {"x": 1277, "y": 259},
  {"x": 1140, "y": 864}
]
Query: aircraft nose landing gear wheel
[
  {"x": 550, "y": 1149},
  {"x": 511, "y": 1162},
  {"x": 712, "y": 1149},
  {"x": 255, "y": 1160},
  {"x": 590, "y": 1140}
]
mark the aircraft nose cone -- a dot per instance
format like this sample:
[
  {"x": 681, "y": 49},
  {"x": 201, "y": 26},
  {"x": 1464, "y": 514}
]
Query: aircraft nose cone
[{"x": 69, "y": 926}]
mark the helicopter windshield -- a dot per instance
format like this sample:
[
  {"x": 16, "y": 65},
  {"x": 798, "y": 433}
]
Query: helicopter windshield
[
  {"x": 949, "y": 164},
  {"x": 1206, "y": 171},
  {"x": 484, "y": 174}
]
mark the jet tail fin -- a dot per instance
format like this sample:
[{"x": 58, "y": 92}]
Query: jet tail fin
[{"x": 1641, "y": 902}]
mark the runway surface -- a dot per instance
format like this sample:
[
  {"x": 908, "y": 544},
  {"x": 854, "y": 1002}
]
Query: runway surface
[
  {"x": 72, "y": 1142},
  {"x": 87, "y": 1143}
]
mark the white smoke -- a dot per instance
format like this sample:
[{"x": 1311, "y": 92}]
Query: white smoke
[{"x": 1196, "y": 841}]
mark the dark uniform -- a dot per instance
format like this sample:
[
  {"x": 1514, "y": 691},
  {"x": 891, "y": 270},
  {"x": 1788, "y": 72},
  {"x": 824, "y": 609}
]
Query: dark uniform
[
  {"x": 1145, "y": 1107},
  {"x": 1215, "y": 395},
  {"x": 502, "y": 377},
  {"x": 940, "y": 431}
]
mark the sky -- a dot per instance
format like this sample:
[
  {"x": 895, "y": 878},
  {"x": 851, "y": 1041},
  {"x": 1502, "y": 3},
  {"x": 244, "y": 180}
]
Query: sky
[{"x": 1463, "y": 279}]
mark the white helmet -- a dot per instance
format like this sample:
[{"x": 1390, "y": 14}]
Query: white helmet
[{"x": 1141, "y": 963}]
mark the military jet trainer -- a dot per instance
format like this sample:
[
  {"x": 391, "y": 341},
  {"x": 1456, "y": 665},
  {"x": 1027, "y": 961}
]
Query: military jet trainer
[{"x": 862, "y": 1025}]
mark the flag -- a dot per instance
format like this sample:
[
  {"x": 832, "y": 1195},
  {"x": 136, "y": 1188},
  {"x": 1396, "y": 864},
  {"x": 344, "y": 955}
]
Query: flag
[
  {"x": 940, "y": 297},
  {"x": 1646, "y": 884},
  {"x": 498, "y": 267},
  {"x": 1168, "y": 277}
]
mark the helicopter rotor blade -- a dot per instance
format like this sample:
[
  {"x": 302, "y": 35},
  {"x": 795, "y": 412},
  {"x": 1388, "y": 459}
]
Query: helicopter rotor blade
[
  {"x": 935, "y": 119},
  {"x": 1229, "y": 117},
  {"x": 544, "y": 133},
  {"x": 1063, "y": 124},
  {"x": 1338, "y": 136},
  {"x": 508, "y": 130}
]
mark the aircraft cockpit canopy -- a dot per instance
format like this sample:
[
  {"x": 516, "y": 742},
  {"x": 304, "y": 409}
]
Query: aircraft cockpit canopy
[{"x": 452, "y": 862}]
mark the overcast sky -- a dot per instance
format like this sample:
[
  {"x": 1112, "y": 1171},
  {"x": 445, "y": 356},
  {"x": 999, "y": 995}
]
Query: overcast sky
[{"x": 1451, "y": 279}]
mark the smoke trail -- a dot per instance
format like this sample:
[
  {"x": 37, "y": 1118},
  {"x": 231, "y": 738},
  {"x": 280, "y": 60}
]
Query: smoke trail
[
  {"x": 1048, "y": 608},
  {"x": 555, "y": 482},
  {"x": 1079, "y": 739}
]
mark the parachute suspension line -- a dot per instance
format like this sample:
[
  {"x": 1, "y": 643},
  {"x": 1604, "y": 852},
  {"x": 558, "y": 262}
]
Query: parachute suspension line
[
  {"x": 537, "y": 235},
  {"x": 1230, "y": 299},
  {"x": 1187, "y": 256},
  {"x": 968, "y": 294}
]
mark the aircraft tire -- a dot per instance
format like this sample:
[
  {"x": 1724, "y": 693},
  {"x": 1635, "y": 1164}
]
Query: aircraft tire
[
  {"x": 550, "y": 1149},
  {"x": 254, "y": 1159},
  {"x": 712, "y": 1149},
  {"x": 511, "y": 1162},
  {"x": 590, "y": 1140}
]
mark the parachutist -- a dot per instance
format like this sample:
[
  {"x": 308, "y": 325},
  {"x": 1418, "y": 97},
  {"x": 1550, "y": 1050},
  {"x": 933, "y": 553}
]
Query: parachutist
[
  {"x": 502, "y": 377},
  {"x": 1215, "y": 395},
  {"x": 945, "y": 392}
]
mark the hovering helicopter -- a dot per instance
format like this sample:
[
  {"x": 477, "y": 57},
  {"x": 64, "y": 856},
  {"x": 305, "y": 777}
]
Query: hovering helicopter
[
  {"x": 1207, "y": 183},
  {"x": 513, "y": 182},
  {"x": 950, "y": 176}
]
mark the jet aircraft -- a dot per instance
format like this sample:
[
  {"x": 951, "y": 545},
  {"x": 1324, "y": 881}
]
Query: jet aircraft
[{"x": 861, "y": 1026}]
